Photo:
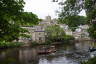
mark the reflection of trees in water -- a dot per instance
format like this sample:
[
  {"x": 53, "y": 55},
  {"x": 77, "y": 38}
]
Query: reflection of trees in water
[
  {"x": 19, "y": 56},
  {"x": 9, "y": 56},
  {"x": 85, "y": 45},
  {"x": 94, "y": 44},
  {"x": 28, "y": 56},
  {"x": 65, "y": 46}
]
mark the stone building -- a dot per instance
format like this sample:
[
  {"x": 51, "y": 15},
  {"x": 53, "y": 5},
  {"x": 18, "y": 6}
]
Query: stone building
[
  {"x": 81, "y": 32},
  {"x": 38, "y": 33},
  {"x": 30, "y": 32}
]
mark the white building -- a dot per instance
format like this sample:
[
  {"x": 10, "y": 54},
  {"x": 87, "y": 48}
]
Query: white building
[{"x": 81, "y": 32}]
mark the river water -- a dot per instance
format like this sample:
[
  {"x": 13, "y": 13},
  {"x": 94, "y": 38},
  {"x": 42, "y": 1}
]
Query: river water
[{"x": 72, "y": 53}]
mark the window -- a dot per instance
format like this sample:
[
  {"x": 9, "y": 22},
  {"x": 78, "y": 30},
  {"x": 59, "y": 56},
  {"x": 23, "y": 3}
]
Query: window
[
  {"x": 39, "y": 33},
  {"x": 40, "y": 38}
]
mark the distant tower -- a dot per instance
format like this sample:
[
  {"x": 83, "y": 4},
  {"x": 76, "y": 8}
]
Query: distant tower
[
  {"x": 48, "y": 18},
  {"x": 54, "y": 0}
]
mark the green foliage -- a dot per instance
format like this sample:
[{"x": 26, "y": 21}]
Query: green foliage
[
  {"x": 55, "y": 33},
  {"x": 10, "y": 10},
  {"x": 12, "y": 18},
  {"x": 92, "y": 31},
  {"x": 74, "y": 7},
  {"x": 90, "y": 61},
  {"x": 69, "y": 13},
  {"x": 68, "y": 38},
  {"x": 91, "y": 15},
  {"x": 90, "y": 9},
  {"x": 34, "y": 43},
  {"x": 48, "y": 42},
  {"x": 73, "y": 21},
  {"x": 29, "y": 19},
  {"x": 71, "y": 8},
  {"x": 4, "y": 44}
]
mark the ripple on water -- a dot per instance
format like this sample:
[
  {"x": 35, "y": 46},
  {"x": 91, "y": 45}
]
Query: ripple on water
[{"x": 59, "y": 60}]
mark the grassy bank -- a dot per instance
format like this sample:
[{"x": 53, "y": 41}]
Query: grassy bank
[{"x": 4, "y": 44}]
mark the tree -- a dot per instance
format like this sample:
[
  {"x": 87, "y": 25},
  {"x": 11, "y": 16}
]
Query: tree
[
  {"x": 73, "y": 21},
  {"x": 69, "y": 13},
  {"x": 91, "y": 16},
  {"x": 92, "y": 32},
  {"x": 54, "y": 33},
  {"x": 29, "y": 19},
  {"x": 71, "y": 7},
  {"x": 10, "y": 11},
  {"x": 74, "y": 7},
  {"x": 12, "y": 17},
  {"x": 90, "y": 7}
]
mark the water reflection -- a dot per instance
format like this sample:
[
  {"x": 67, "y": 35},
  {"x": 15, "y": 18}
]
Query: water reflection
[
  {"x": 19, "y": 56},
  {"x": 9, "y": 57},
  {"x": 28, "y": 56},
  {"x": 66, "y": 54}
]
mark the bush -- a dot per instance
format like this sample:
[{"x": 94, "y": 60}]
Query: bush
[
  {"x": 68, "y": 37},
  {"x": 4, "y": 44},
  {"x": 34, "y": 43},
  {"x": 48, "y": 42},
  {"x": 90, "y": 61}
]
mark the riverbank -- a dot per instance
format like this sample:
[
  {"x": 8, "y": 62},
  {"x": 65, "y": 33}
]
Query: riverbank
[
  {"x": 51, "y": 43},
  {"x": 90, "y": 61},
  {"x": 4, "y": 44},
  {"x": 65, "y": 54}
]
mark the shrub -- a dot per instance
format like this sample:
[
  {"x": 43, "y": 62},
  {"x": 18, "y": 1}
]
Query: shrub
[{"x": 4, "y": 44}]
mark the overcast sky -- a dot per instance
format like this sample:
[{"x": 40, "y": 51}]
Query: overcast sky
[{"x": 42, "y": 8}]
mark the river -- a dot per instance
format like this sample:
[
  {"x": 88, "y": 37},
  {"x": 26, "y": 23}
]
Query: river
[{"x": 72, "y": 53}]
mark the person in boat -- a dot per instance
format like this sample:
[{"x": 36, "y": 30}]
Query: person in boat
[
  {"x": 46, "y": 50},
  {"x": 52, "y": 49}
]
